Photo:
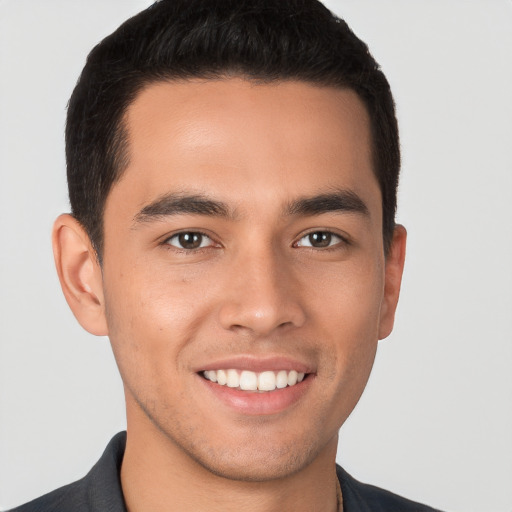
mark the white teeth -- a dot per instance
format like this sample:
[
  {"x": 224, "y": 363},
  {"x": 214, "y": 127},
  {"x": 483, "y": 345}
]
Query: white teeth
[
  {"x": 251, "y": 381},
  {"x": 292, "y": 378},
  {"x": 222, "y": 378},
  {"x": 267, "y": 381},
  {"x": 233, "y": 379},
  {"x": 211, "y": 375},
  {"x": 281, "y": 379},
  {"x": 248, "y": 381}
]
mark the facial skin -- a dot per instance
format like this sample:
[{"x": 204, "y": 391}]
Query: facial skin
[{"x": 256, "y": 292}]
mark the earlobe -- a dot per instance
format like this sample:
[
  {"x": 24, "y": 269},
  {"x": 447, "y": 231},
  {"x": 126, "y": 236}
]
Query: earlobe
[
  {"x": 393, "y": 279},
  {"x": 79, "y": 274}
]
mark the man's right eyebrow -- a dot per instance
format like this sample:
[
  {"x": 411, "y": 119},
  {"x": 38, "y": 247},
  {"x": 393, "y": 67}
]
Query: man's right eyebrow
[{"x": 179, "y": 204}]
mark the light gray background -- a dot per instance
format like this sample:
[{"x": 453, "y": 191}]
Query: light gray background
[{"x": 435, "y": 423}]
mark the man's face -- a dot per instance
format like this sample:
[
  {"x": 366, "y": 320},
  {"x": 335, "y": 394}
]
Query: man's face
[{"x": 245, "y": 236}]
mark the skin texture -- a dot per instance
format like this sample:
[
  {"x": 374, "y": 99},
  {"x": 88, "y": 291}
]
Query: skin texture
[{"x": 256, "y": 288}]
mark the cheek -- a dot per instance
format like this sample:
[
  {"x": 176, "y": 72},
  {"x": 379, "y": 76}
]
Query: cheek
[
  {"x": 347, "y": 306},
  {"x": 152, "y": 315},
  {"x": 348, "y": 297}
]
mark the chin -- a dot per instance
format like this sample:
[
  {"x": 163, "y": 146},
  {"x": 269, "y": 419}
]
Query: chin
[
  {"x": 258, "y": 457},
  {"x": 262, "y": 467}
]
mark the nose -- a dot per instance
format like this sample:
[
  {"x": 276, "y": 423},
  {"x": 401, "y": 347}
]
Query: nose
[{"x": 262, "y": 294}]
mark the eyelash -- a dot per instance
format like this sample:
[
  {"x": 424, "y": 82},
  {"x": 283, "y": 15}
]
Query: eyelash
[
  {"x": 341, "y": 241},
  {"x": 167, "y": 242}
]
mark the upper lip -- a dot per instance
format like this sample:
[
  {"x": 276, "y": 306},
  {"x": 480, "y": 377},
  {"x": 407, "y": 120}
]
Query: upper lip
[{"x": 257, "y": 364}]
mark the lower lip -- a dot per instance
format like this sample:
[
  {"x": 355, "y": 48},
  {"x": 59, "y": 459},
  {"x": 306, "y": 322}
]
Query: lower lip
[{"x": 258, "y": 403}]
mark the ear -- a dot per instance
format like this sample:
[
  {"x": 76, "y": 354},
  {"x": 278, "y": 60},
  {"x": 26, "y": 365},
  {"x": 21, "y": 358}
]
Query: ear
[
  {"x": 79, "y": 274},
  {"x": 394, "y": 268}
]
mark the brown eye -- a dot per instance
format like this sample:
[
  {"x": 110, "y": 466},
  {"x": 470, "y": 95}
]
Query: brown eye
[
  {"x": 319, "y": 240},
  {"x": 189, "y": 240}
]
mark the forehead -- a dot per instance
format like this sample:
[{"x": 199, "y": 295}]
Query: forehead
[{"x": 245, "y": 140}]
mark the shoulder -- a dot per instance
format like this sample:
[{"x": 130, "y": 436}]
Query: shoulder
[
  {"x": 69, "y": 497},
  {"x": 99, "y": 491},
  {"x": 361, "y": 497}
]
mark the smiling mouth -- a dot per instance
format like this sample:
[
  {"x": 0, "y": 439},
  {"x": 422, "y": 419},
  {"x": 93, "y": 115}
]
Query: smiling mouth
[{"x": 246, "y": 380}]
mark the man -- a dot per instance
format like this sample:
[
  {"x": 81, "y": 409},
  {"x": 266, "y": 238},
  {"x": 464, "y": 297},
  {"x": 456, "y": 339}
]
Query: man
[{"x": 232, "y": 171}]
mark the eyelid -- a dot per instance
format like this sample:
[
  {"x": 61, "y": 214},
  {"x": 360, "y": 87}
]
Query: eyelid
[
  {"x": 343, "y": 240},
  {"x": 167, "y": 239}
]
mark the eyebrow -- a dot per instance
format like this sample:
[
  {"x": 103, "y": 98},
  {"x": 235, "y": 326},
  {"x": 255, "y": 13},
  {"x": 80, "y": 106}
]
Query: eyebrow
[
  {"x": 197, "y": 204},
  {"x": 179, "y": 204},
  {"x": 340, "y": 200}
]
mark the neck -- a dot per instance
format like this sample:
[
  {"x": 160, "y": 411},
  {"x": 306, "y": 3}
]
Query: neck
[{"x": 157, "y": 475}]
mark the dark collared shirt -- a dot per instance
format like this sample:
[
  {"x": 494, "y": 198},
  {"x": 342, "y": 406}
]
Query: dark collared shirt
[{"x": 100, "y": 491}]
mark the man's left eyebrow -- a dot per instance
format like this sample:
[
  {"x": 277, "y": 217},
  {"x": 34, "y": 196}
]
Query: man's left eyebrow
[{"x": 336, "y": 201}]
